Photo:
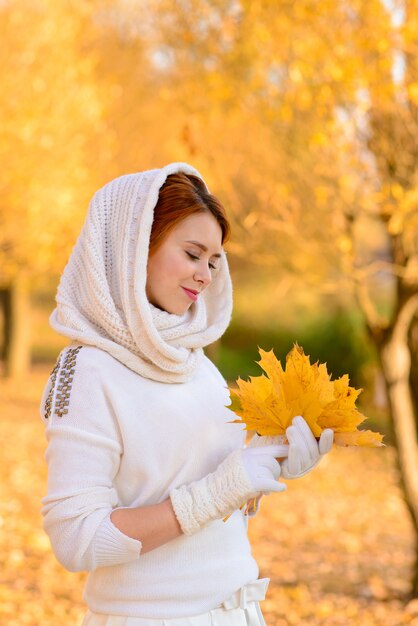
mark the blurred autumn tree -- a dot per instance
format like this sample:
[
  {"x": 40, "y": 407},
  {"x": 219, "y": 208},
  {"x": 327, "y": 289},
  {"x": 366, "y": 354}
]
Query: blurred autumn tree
[
  {"x": 52, "y": 131},
  {"x": 79, "y": 107}
]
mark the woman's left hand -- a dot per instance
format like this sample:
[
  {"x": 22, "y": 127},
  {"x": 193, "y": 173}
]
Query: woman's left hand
[{"x": 304, "y": 450}]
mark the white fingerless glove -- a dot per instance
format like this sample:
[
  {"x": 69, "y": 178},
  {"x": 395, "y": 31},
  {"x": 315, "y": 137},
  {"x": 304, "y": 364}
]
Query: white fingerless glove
[
  {"x": 304, "y": 451},
  {"x": 241, "y": 476}
]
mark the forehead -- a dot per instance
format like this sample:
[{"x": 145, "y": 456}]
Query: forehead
[{"x": 201, "y": 227}]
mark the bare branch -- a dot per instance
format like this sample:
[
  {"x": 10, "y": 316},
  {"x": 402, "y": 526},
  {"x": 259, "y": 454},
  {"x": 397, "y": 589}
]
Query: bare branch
[
  {"x": 405, "y": 317},
  {"x": 379, "y": 266}
]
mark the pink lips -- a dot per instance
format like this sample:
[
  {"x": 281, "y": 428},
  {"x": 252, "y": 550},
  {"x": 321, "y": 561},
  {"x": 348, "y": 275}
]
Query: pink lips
[{"x": 192, "y": 294}]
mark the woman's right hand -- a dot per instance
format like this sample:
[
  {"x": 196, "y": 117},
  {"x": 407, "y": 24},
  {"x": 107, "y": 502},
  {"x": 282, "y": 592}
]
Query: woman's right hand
[
  {"x": 263, "y": 468},
  {"x": 242, "y": 475}
]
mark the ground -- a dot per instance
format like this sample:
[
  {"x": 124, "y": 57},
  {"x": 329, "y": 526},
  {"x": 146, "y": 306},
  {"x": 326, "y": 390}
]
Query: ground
[{"x": 338, "y": 545}]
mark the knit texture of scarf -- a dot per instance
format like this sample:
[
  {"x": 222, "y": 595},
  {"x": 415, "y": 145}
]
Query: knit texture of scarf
[{"x": 101, "y": 298}]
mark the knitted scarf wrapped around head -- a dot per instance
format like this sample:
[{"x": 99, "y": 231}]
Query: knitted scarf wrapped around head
[{"x": 101, "y": 298}]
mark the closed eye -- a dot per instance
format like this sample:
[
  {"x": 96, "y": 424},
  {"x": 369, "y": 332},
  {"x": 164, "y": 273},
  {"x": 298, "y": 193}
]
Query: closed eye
[{"x": 196, "y": 258}]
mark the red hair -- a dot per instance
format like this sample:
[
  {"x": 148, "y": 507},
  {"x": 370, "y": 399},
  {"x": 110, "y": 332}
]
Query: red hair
[{"x": 183, "y": 195}]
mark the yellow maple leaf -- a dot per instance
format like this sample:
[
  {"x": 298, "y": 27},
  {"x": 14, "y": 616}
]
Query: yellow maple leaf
[
  {"x": 359, "y": 438},
  {"x": 267, "y": 404},
  {"x": 259, "y": 406},
  {"x": 341, "y": 413}
]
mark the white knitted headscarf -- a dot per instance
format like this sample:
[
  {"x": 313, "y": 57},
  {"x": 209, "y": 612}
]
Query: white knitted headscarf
[{"x": 101, "y": 298}]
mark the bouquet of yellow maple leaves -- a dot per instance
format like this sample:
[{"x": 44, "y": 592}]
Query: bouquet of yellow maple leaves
[{"x": 267, "y": 404}]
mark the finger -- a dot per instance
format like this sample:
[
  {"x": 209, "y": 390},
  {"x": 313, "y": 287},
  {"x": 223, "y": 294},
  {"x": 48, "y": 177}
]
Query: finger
[
  {"x": 274, "y": 451},
  {"x": 299, "y": 456},
  {"x": 307, "y": 434},
  {"x": 269, "y": 463},
  {"x": 275, "y": 486},
  {"x": 266, "y": 466},
  {"x": 326, "y": 440},
  {"x": 297, "y": 439},
  {"x": 292, "y": 435},
  {"x": 296, "y": 460},
  {"x": 286, "y": 474},
  {"x": 308, "y": 437}
]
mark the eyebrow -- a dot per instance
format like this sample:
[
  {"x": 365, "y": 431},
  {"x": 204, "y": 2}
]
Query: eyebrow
[{"x": 202, "y": 247}]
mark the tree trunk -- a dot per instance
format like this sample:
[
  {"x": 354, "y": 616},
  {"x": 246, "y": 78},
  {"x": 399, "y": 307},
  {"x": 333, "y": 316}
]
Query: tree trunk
[
  {"x": 4, "y": 302},
  {"x": 413, "y": 349},
  {"x": 16, "y": 327},
  {"x": 395, "y": 359}
]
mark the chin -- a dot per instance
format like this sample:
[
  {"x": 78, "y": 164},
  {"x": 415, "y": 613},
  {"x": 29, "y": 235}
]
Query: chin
[
  {"x": 182, "y": 310},
  {"x": 179, "y": 310}
]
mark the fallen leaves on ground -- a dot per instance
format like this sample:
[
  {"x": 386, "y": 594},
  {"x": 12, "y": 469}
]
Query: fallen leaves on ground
[{"x": 337, "y": 548}]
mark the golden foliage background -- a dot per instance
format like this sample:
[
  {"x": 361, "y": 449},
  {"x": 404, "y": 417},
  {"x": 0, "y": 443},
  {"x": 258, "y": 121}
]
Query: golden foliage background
[{"x": 303, "y": 118}]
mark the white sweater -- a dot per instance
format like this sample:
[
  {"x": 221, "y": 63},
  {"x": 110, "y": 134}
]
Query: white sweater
[{"x": 117, "y": 439}]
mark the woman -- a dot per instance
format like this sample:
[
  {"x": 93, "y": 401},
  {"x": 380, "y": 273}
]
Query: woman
[{"x": 146, "y": 473}]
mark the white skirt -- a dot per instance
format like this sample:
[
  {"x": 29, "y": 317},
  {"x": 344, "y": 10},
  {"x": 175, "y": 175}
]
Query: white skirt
[{"x": 241, "y": 609}]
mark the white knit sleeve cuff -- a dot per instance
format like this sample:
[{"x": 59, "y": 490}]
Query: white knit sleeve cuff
[
  {"x": 113, "y": 547},
  {"x": 214, "y": 496}
]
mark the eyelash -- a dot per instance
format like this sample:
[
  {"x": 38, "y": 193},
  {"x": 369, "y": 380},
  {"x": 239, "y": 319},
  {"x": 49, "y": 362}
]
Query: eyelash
[{"x": 196, "y": 258}]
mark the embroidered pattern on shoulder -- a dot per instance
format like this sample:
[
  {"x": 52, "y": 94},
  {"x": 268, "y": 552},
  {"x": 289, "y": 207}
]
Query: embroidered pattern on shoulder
[
  {"x": 53, "y": 377},
  {"x": 66, "y": 381}
]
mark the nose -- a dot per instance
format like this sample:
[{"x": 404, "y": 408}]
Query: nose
[{"x": 203, "y": 275}]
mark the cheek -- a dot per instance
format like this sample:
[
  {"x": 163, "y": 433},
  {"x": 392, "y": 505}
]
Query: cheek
[
  {"x": 165, "y": 269},
  {"x": 154, "y": 272},
  {"x": 179, "y": 267},
  {"x": 173, "y": 267}
]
